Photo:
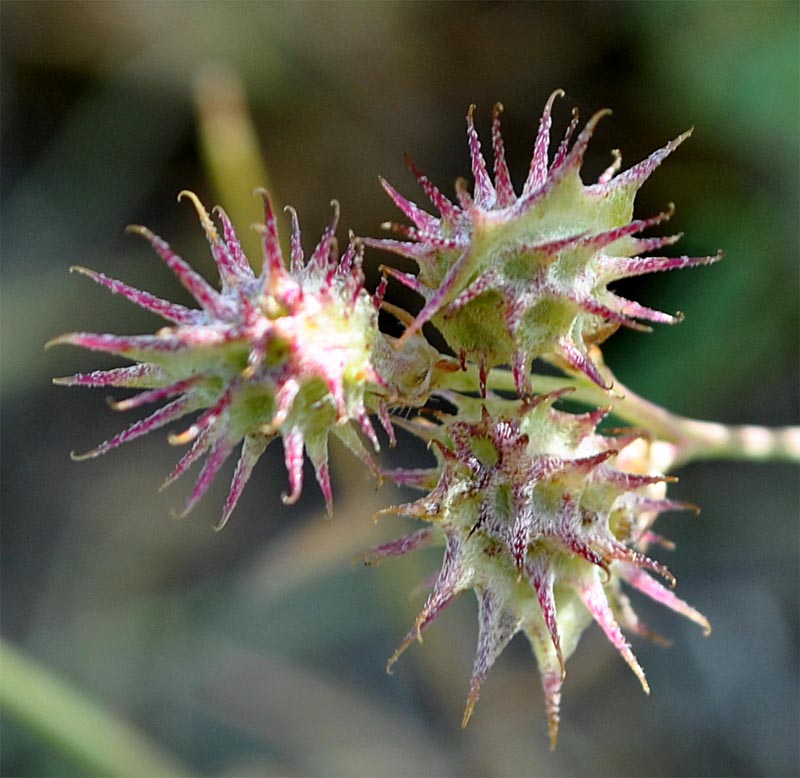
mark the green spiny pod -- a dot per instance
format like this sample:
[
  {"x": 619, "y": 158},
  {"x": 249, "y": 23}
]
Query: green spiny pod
[
  {"x": 510, "y": 277},
  {"x": 293, "y": 353},
  {"x": 542, "y": 517}
]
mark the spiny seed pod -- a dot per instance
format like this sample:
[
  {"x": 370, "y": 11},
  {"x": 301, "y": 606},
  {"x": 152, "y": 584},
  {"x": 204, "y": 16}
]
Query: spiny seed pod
[
  {"x": 542, "y": 517},
  {"x": 508, "y": 278},
  {"x": 288, "y": 353}
]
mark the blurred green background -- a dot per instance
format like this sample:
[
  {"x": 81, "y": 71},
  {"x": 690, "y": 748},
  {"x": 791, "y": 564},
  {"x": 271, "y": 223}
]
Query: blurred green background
[{"x": 261, "y": 651}]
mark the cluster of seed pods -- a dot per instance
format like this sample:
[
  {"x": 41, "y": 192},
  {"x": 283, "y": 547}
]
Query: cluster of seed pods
[{"x": 540, "y": 514}]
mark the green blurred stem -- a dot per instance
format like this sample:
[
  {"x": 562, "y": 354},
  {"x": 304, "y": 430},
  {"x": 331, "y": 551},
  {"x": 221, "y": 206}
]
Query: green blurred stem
[
  {"x": 90, "y": 735},
  {"x": 230, "y": 149},
  {"x": 693, "y": 439}
]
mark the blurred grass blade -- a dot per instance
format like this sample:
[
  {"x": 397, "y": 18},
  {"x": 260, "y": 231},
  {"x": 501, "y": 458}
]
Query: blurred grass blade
[
  {"x": 87, "y": 733},
  {"x": 230, "y": 150}
]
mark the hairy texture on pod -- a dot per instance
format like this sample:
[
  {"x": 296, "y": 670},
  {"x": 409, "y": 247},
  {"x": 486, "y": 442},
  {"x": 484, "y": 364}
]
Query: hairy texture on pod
[
  {"x": 542, "y": 517},
  {"x": 289, "y": 354},
  {"x": 510, "y": 277}
]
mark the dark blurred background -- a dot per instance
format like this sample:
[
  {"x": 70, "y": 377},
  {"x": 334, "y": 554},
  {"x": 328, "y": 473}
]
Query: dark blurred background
[{"x": 260, "y": 650}]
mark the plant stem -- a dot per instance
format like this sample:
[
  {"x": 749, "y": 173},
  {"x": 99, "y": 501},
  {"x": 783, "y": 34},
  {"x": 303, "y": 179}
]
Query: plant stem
[
  {"x": 230, "y": 149},
  {"x": 87, "y": 733}
]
